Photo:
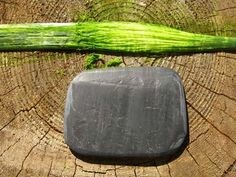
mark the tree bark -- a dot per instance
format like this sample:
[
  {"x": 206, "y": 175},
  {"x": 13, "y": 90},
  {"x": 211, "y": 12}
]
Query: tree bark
[{"x": 34, "y": 84}]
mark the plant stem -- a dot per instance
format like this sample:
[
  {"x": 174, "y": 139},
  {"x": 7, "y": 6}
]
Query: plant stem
[
  {"x": 109, "y": 37},
  {"x": 38, "y": 36}
]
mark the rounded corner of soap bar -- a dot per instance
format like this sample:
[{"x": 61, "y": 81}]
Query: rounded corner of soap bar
[{"x": 126, "y": 112}]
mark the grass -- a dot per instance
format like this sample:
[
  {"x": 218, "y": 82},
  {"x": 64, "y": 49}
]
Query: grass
[
  {"x": 92, "y": 62},
  {"x": 114, "y": 62}
]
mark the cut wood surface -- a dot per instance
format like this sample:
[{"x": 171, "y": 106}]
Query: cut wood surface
[{"x": 33, "y": 88}]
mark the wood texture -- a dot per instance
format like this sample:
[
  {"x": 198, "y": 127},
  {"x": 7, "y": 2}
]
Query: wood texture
[{"x": 34, "y": 84}]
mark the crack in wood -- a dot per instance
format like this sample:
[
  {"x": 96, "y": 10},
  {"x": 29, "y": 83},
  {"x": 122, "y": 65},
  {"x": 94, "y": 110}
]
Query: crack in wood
[
  {"x": 123, "y": 60},
  {"x": 169, "y": 171},
  {"x": 6, "y": 93},
  {"x": 192, "y": 157},
  {"x": 234, "y": 118},
  {"x": 115, "y": 171},
  {"x": 9, "y": 147},
  {"x": 135, "y": 173},
  {"x": 50, "y": 168},
  {"x": 74, "y": 168},
  {"x": 156, "y": 59},
  {"x": 213, "y": 162},
  {"x": 200, "y": 135},
  {"x": 190, "y": 69},
  {"x": 115, "y": 168},
  {"x": 16, "y": 116},
  {"x": 147, "y": 6},
  {"x": 30, "y": 108},
  {"x": 23, "y": 162},
  {"x": 64, "y": 166},
  {"x": 202, "y": 116},
  {"x": 157, "y": 169},
  {"x": 96, "y": 172},
  {"x": 228, "y": 8},
  {"x": 4, "y": 126},
  {"x": 217, "y": 93},
  {"x": 90, "y": 171},
  {"x": 50, "y": 126},
  {"x": 229, "y": 169}
]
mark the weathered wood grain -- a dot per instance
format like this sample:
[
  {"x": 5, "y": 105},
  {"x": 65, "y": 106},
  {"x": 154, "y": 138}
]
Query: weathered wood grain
[{"x": 33, "y": 87}]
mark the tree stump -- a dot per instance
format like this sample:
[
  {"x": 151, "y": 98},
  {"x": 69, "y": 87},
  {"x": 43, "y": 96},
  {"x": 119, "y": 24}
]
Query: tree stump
[{"x": 34, "y": 84}]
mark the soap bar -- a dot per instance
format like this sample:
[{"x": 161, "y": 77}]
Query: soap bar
[{"x": 126, "y": 112}]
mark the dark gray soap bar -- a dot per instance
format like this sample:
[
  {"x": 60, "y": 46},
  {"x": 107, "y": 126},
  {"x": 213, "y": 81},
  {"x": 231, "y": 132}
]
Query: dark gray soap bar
[{"x": 126, "y": 112}]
